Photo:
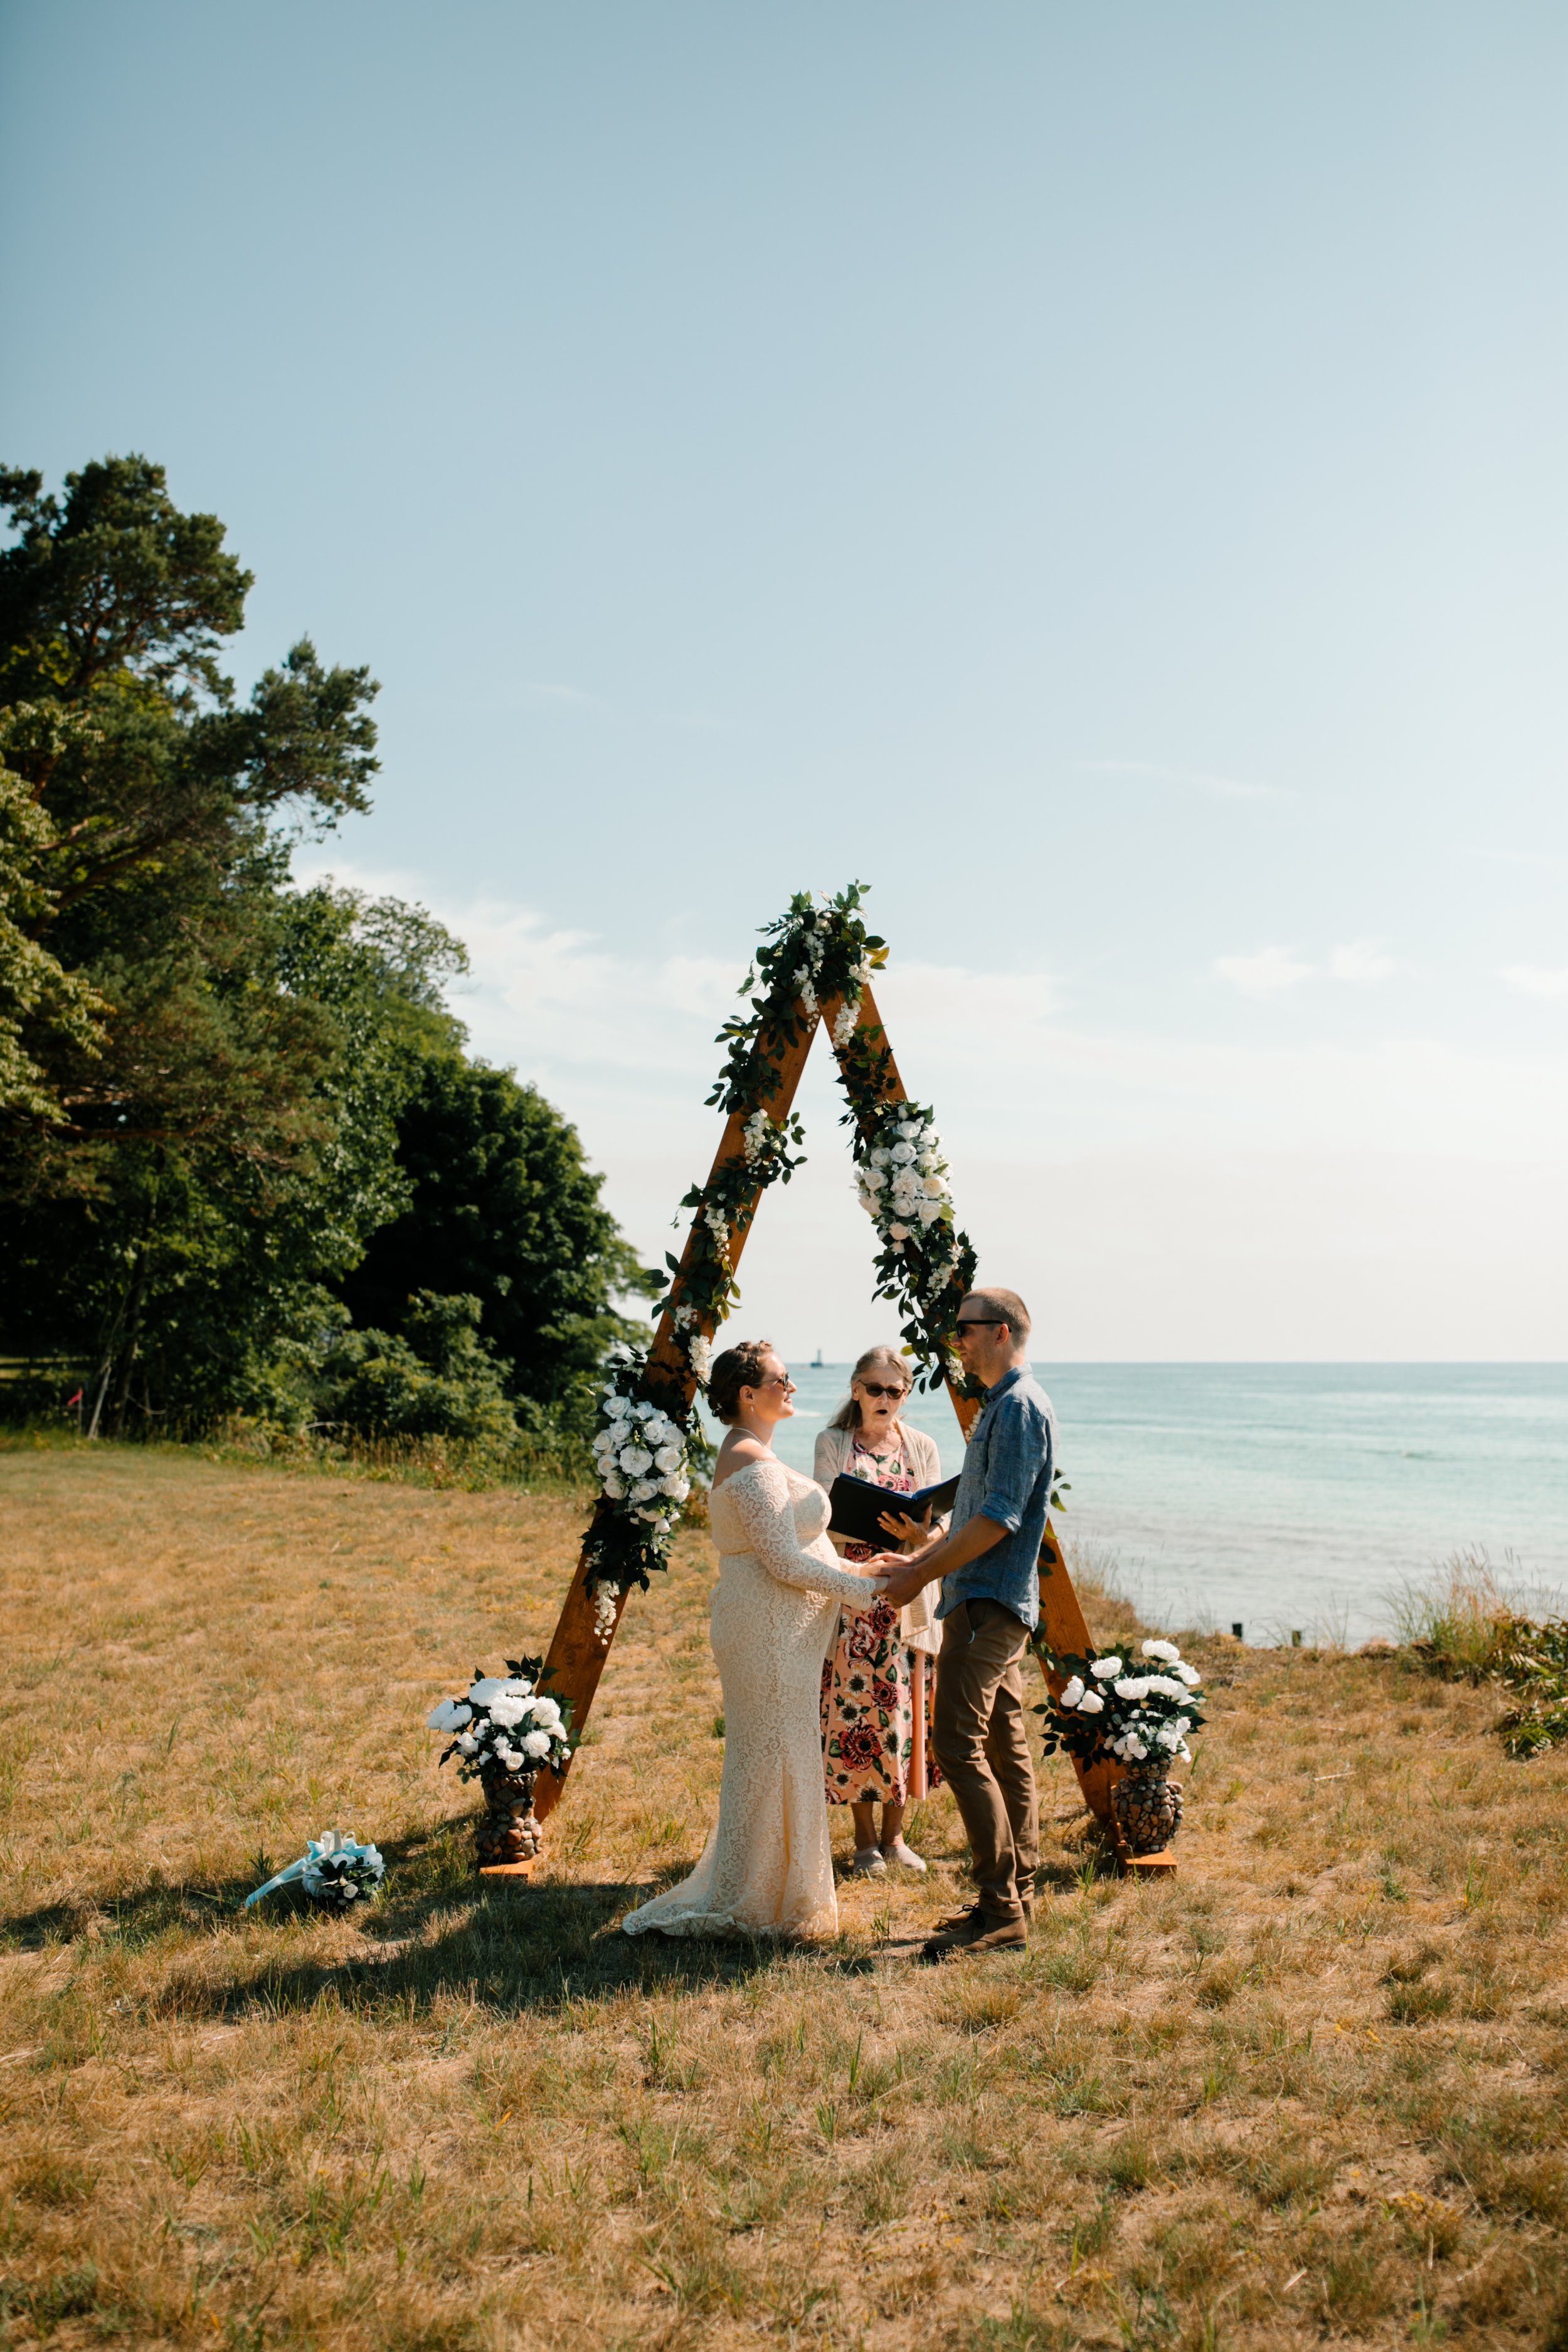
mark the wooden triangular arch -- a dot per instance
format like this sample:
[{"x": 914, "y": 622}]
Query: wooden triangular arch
[{"x": 818, "y": 963}]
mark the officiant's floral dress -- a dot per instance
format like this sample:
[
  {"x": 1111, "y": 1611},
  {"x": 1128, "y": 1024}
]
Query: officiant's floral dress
[{"x": 868, "y": 1682}]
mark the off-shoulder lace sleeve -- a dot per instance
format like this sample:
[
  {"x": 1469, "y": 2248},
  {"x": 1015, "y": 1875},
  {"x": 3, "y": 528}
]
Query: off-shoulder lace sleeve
[{"x": 761, "y": 1494}]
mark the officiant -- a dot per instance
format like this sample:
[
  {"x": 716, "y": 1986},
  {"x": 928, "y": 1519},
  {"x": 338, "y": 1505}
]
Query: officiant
[{"x": 878, "y": 1681}]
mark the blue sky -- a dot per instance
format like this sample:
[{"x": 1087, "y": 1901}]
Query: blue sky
[{"x": 1097, "y": 475}]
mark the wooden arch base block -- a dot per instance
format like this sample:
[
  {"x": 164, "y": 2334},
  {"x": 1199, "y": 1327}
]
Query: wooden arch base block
[
  {"x": 1148, "y": 1866},
  {"x": 508, "y": 1869}
]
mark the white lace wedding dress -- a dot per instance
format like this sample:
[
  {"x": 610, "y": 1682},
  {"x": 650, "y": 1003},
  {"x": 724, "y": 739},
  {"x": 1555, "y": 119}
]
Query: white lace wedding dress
[{"x": 767, "y": 1869}]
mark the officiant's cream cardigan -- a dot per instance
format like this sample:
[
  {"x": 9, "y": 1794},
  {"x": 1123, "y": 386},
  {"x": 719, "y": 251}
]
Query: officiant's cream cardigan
[{"x": 917, "y": 1622}]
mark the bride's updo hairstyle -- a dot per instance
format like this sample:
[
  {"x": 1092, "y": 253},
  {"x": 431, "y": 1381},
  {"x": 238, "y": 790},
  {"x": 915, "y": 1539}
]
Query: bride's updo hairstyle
[
  {"x": 875, "y": 1359},
  {"x": 740, "y": 1367}
]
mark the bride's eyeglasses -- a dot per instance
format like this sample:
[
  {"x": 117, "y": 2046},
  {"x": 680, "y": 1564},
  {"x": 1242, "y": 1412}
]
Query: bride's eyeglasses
[{"x": 875, "y": 1388}]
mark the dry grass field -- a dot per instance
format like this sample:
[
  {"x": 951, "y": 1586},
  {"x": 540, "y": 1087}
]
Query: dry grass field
[{"x": 1312, "y": 2090}]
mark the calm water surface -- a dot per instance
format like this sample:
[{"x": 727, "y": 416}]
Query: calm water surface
[{"x": 1290, "y": 1495}]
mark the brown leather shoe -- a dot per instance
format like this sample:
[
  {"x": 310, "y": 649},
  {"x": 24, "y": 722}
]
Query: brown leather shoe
[
  {"x": 958, "y": 1918},
  {"x": 975, "y": 1933}
]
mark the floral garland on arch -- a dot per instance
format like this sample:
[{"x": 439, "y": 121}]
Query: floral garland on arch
[{"x": 813, "y": 953}]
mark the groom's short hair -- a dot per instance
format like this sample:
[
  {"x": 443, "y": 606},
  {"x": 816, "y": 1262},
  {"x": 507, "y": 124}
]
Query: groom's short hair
[{"x": 1001, "y": 1307}]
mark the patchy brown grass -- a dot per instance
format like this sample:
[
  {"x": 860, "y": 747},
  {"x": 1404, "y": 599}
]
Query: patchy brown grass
[{"x": 1314, "y": 2089}]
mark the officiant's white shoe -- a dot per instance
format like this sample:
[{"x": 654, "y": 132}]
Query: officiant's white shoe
[
  {"x": 869, "y": 1863},
  {"x": 904, "y": 1855}
]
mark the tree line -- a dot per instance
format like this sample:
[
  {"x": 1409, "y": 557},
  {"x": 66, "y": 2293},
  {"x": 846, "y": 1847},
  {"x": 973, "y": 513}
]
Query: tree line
[{"x": 247, "y": 1164}]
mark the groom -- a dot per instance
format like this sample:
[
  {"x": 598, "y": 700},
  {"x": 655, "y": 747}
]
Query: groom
[{"x": 988, "y": 1562}]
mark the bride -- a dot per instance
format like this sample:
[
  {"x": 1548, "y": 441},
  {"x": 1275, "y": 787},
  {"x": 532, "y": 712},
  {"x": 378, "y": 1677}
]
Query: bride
[{"x": 767, "y": 1869}]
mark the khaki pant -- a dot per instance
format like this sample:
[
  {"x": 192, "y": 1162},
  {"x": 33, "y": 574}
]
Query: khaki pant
[{"x": 979, "y": 1733}]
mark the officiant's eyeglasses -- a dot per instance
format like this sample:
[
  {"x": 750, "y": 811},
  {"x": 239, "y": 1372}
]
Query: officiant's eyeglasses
[{"x": 875, "y": 1388}]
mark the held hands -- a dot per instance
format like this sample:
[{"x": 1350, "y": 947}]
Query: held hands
[{"x": 903, "y": 1577}]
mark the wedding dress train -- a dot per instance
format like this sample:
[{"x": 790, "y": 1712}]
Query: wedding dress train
[{"x": 767, "y": 1869}]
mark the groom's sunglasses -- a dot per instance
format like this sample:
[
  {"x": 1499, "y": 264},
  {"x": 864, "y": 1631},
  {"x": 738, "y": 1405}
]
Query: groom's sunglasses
[
  {"x": 875, "y": 1388},
  {"x": 979, "y": 1323}
]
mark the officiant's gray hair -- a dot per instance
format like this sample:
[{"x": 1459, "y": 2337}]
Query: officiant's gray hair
[{"x": 884, "y": 1359}]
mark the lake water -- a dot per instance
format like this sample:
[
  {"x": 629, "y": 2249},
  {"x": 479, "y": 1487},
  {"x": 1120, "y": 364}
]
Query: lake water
[{"x": 1289, "y": 1495}]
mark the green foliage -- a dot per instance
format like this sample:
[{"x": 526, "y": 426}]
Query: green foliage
[
  {"x": 437, "y": 1379},
  {"x": 216, "y": 1090},
  {"x": 1469, "y": 1628},
  {"x": 500, "y": 1207},
  {"x": 42, "y": 1006}
]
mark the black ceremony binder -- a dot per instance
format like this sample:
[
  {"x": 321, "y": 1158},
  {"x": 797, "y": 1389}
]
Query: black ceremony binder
[{"x": 858, "y": 1506}]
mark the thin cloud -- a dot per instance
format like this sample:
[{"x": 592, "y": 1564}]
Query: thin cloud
[
  {"x": 1196, "y": 780},
  {"x": 1262, "y": 974},
  {"x": 1537, "y": 980},
  {"x": 1362, "y": 960}
]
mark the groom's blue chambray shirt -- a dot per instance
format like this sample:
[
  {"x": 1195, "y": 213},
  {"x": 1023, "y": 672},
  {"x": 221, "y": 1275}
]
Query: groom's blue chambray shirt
[{"x": 1007, "y": 1470}]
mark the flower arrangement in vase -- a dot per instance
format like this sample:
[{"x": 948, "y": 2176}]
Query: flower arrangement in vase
[
  {"x": 505, "y": 1730},
  {"x": 1112, "y": 1711}
]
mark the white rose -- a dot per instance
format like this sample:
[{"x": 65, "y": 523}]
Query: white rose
[
  {"x": 901, "y": 1154},
  {"x": 1074, "y": 1691},
  {"x": 1135, "y": 1747},
  {"x": 450, "y": 1715},
  {"x": 1092, "y": 1704},
  {"x": 935, "y": 1187},
  {"x": 644, "y": 1410},
  {"x": 537, "y": 1743},
  {"x": 518, "y": 1688},
  {"x": 506, "y": 1754},
  {"x": 677, "y": 1489},
  {"x": 667, "y": 1459},
  {"x": 469, "y": 1744},
  {"x": 1166, "y": 1650},
  {"x": 488, "y": 1686},
  {"x": 546, "y": 1712},
  {"x": 1169, "y": 1738},
  {"x": 1186, "y": 1674},
  {"x": 507, "y": 1711},
  {"x": 615, "y": 1488},
  {"x": 636, "y": 1459},
  {"x": 643, "y": 1490},
  {"x": 1103, "y": 1668},
  {"x": 928, "y": 1212},
  {"x": 1167, "y": 1686},
  {"x": 1182, "y": 1726},
  {"x": 897, "y": 1233}
]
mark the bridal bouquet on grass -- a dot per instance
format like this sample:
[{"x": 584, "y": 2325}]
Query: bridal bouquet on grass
[
  {"x": 505, "y": 1721},
  {"x": 334, "y": 1870}
]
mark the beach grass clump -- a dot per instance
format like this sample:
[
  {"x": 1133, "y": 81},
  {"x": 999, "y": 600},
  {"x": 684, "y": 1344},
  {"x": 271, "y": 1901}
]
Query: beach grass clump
[
  {"x": 1467, "y": 1625},
  {"x": 1317, "y": 2088}
]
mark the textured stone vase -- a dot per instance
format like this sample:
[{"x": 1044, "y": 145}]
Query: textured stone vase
[
  {"x": 1148, "y": 1808},
  {"x": 506, "y": 1831}
]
